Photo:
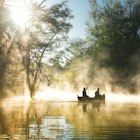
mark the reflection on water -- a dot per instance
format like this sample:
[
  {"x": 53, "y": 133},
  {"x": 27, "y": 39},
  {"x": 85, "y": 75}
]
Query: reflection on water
[
  {"x": 69, "y": 120},
  {"x": 51, "y": 127},
  {"x": 95, "y": 105}
]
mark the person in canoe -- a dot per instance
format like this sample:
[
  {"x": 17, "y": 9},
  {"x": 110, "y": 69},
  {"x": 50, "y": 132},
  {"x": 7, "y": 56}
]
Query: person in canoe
[
  {"x": 97, "y": 93},
  {"x": 84, "y": 92}
]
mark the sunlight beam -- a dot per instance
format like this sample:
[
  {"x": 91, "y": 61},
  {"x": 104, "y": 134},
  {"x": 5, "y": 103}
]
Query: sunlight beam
[{"x": 20, "y": 17}]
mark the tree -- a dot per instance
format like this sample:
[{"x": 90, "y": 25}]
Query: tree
[
  {"x": 56, "y": 18},
  {"x": 6, "y": 40},
  {"x": 47, "y": 27},
  {"x": 75, "y": 69},
  {"x": 114, "y": 34}
]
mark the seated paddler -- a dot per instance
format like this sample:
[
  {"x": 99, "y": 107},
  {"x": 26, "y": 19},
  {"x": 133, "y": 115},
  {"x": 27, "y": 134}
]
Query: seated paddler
[
  {"x": 97, "y": 93},
  {"x": 84, "y": 92}
]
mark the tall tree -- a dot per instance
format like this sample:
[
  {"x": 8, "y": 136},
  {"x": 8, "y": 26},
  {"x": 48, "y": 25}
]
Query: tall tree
[
  {"x": 45, "y": 29},
  {"x": 56, "y": 26},
  {"x": 6, "y": 39}
]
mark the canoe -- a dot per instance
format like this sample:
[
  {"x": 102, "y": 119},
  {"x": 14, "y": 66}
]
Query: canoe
[{"x": 87, "y": 98}]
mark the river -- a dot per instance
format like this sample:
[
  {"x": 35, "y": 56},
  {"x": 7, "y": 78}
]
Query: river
[{"x": 42, "y": 120}]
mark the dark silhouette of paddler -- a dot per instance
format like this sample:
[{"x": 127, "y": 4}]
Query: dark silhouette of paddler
[
  {"x": 84, "y": 92},
  {"x": 97, "y": 93}
]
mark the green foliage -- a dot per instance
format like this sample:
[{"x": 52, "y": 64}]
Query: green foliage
[
  {"x": 114, "y": 32},
  {"x": 55, "y": 24},
  {"x": 76, "y": 49}
]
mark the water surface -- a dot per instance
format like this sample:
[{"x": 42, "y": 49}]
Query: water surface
[{"x": 42, "y": 120}]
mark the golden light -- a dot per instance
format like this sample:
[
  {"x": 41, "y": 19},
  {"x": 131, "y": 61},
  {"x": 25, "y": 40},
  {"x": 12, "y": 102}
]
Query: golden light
[
  {"x": 121, "y": 98},
  {"x": 21, "y": 16},
  {"x": 54, "y": 94}
]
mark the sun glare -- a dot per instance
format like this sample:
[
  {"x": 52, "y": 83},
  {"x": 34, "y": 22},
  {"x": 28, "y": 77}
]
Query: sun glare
[{"x": 21, "y": 17}]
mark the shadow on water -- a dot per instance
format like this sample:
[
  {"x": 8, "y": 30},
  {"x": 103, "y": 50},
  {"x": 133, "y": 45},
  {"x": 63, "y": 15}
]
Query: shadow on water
[
  {"x": 92, "y": 105},
  {"x": 69, "y": 120}
]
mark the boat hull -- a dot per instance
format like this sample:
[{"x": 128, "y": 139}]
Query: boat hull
[{"x": 87, "y": 98}]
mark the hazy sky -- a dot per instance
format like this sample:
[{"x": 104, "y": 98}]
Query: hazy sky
[{"x": 80, "y": 9}]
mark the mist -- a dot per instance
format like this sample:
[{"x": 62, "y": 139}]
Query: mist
[{"x": 83, "y": 73}]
